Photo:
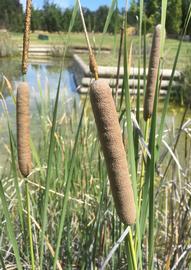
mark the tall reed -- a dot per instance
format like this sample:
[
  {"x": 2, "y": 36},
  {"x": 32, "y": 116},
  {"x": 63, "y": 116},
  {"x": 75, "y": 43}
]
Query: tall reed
[
  {"x": 92, "y": 61},
  {"x": 23, "y": 127}
]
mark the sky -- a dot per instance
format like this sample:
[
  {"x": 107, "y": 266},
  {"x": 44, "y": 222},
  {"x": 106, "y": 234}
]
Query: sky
[{"x": 91, "y": 4}]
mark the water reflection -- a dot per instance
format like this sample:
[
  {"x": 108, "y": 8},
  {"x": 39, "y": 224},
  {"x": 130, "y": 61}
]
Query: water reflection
[{"x": 40, "y": 76}]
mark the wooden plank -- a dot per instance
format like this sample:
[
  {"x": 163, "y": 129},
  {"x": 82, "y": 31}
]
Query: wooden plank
[
  {"x": 84, "y": 90},
  {"x": 133, "y": 83},
  {"x": 108, "y": 72}
]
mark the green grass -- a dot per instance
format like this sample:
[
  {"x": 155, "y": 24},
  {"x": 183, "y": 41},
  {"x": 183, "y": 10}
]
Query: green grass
[
  {"x": 170, "y": 49},
  {"x": 77, "y": 39}
]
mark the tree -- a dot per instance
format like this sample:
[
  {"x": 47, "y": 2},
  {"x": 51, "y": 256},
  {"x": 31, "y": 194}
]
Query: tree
[
  {"x": 100, "y": 18},
  {"x": 132, "y": 14},
  {"x": 174, "y": 17},
  {"x": 116, "y": 22},
  {"x": 65, "y": 20},
  {"x": 185, "y": 7},
  {"x": 36, "y": 19},
  {"x": 11, "y": 15},
  {"x": 52, "y": 18},
  {"x": 153, "y": 13},
  {"x": 88, "y": 19},
  {"x": 78, "y": 24}
]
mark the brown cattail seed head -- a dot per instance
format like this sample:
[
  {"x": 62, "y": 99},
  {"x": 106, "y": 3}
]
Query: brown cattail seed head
[
  {"x": 93, "y": 65},
  {"x": 26, "y": 36},
  {"x": 23, "y": 129},
  {"x": 152, "y": 74},
  {"x": 113, "y": 149}
]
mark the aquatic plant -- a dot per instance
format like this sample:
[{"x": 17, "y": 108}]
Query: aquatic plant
[
  {"x": 152, "y": 74},
  {"x": 111, "y": 140},
  {"x": 26, "y": 37},
  {"x": 23, "y": 129}
]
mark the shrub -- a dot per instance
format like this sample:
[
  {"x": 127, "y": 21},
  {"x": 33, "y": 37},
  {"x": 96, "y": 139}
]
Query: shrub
[{"x": 7, "y": 46}]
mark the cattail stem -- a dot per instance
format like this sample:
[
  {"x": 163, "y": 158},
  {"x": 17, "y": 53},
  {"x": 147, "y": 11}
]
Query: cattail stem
[
  {"x": 152, "y": 74},
  {"x": 29, "y": 226},
  {"x": 93, "y": 66},
  {"x": 92, "y": 60},
  {"x": 146, "y": 136},
  {"x": 119, "y": 61},
  {"x": 23, "y": 129},
  {"x": 111, "y": 140},
  {"x": 23, "y": 124},
  {"x": 26, "y": 36}
]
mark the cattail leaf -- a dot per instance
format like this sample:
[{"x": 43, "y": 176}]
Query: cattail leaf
[
  {"x": 163, "y": 23},
  {"x": 48, "y": 174},
  {"x": 67, "y": 188},
  {"x": 14, "y": 169},
  {"x": 50, "y": 156},
  {"x": 136, "y": 139},
  {"x": 2, "y": 261},
  {"x": 10, "y": 230},
  {"x": 167, "y": 98}
]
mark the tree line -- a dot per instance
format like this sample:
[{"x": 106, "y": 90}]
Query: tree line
[{"x": 52, "y": 18}]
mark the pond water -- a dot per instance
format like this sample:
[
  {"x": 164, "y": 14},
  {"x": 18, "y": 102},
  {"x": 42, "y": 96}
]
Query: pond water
[{"x": 41, "y": 75}]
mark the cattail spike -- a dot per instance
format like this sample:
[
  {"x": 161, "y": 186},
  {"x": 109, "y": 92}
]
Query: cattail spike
[
  {"x": 152, "y": 74},
  {"x": 23, "y": 129},
  {"x": 113, "y": 149},
  {"x": 93, "y": 65},
  {"x": 26, "y": 36}
]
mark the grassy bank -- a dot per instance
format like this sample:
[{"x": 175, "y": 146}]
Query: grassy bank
[
  {"x": 170, "y": 50},
  {"x": 112, "y": 42},
  {"x": 77, "y": 39}
]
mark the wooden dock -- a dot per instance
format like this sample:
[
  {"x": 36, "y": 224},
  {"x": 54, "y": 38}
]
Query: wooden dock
[{"x": 83, "y": 78}]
